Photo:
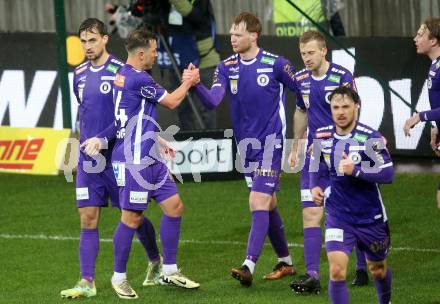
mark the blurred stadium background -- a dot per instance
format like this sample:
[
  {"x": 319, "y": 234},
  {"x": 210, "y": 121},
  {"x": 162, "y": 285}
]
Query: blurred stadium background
[{"x": 39, "y": 223}]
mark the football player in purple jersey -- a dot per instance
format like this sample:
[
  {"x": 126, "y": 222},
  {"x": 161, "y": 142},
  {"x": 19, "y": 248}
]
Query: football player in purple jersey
[
  {"x": 316, "y": 82},
  {"x": 95, "y": 183},
  {"x": 256, "y": 81},
  {"x": 355, "y": 159},
  {"x": 427, "y": 42},
  {"x": 140, "y": 171}
]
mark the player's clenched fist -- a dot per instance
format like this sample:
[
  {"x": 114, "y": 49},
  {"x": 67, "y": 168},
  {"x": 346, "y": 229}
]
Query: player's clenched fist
[
  {"x": 346, "y": 165},
  {"x": 318, "y": 195}
]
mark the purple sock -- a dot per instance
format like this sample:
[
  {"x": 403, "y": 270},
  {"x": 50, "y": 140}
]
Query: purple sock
[
  {"x": 312, "y": 250},
  {"x": 121, "y": 246},
  {"x": 338, "y": 292},
  {"x": 169, "y": 236},
  {"x": 147, "y": 237},
  {"x": 257, "y": 235},
  {"x": 383, "y": 287},
  {"x": 361, "y": 262},
  {"x": 88, "y": 251},
  {"x": 276, "y": 234}
]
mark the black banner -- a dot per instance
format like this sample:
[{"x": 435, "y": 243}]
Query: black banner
[{"x": 29, "y": 89}]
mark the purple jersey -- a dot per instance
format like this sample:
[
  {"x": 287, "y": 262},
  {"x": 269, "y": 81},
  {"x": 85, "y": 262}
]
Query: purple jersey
[
  {"x": 354, "y": 199},
  {"x": 136, "y": 96},
  {"x": 93, "y": 88},
  {"x": 315, "y": 92},
  {"x": 434, "y": 94},
  {"x": 257, "y": 97}
]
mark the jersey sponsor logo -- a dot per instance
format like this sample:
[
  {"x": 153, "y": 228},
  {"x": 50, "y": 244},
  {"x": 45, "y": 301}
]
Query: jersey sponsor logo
[
  {"x": 80, "y": 70},
  {"x": 120, "y": 80},
  {"x": 112, "y": 78},
  {"x": 105, "y": 87},
  {"x": 270, "y": 184},
  {"x": 82, "y": 193},
  {"x": 112, "y": 68},
  {"x": 323, "y": 134},
  {"x": 437, "y": 65},
  {"x": 355, "y": 157},
  {"x": 432, "y": 73},
  {"x": 301, "y": 77},
  {"x": 138, "y": 197},
  {"x": 327, "y": 143},
  {"x": 330, "y": 88},
  {"x": 233, "y": 83},
  {"x": 334, "y": 78},
  {"x": 305, "y": 84},
  {"x": 334, "y": 235},
  {"x": 267, "y": 70},
  {"x": 267, "y": 60},
  {"x": 262, "y": 80},
  {"x": 234, "y": 76},
  {"x": 288, "y": 69},
  {"x": 148, "y": 92},
  {"x": 360, "y": 137},
  {"x": 234, "y": 69},
  {"x": 231, "y": 62}
]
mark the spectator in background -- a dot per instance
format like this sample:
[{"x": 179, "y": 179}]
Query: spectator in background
[
  {"x": 196, "y": 20},
  {"x": 290, "y": 22}
]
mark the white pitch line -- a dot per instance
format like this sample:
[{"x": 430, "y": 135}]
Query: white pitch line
[{"x": 106, "y": 240}]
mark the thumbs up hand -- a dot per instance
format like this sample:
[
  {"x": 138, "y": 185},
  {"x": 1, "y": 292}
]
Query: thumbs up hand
[{"x": 346, "y": 165}]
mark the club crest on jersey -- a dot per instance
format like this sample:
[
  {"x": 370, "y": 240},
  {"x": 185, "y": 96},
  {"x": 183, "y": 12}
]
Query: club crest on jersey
[
  {"x": 437, "y": 65},
  {"x": 262, "y": 80},
  {"x": 327, "y": 97},
  {"x": 105, "y": 87},
  {"x": 233, "y": 83},
  {"x": 148, "y": 92},
  {"x": 355, "y": 157},
  {"x": 306, "y": 100}
]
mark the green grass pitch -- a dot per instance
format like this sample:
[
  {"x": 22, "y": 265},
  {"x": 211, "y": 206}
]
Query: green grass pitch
[{"x": 34, "y": 267}]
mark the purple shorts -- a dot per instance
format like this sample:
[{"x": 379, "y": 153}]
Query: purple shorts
[
  {"x": 94, "y": 189},
  {"x": 373, "y": 239},
  {"x": 265, "y": 180},
  {"x": 137, "y": 185},
  {"x": 257, "y": 182}
]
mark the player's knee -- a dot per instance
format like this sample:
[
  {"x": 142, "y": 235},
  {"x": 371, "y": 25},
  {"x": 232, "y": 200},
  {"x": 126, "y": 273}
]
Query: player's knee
[
  {"x": 378, "y": 271},
  {"x": 176, "y": 209},
  {"x": 312, "y": 217},
  {"x": 337, "y": 272},
  {"x": 89, "y": 220}
]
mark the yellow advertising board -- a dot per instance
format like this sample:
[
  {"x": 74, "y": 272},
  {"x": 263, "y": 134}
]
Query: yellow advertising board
[{"x": 32, "y": 151}]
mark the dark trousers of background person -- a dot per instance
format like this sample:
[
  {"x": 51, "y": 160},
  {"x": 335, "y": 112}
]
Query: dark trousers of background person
[{"x": 187, "y": 119}]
